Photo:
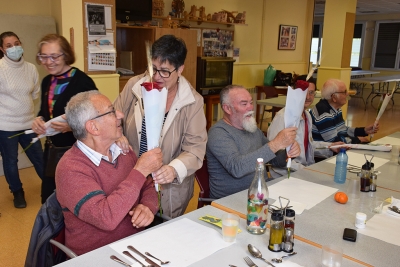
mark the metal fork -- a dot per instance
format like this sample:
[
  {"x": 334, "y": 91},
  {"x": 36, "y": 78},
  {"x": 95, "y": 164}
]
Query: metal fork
[{"x": 249, "y": 262}]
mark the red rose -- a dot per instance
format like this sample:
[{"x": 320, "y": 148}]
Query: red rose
[
  {"x": 302, "y": 84},
  {"x": 149, "y": 86}
]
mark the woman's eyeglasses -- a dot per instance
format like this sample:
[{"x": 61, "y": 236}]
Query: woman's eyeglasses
[
  {"x": 163, "y": 73},
  {"x": 53, "y": 58}
]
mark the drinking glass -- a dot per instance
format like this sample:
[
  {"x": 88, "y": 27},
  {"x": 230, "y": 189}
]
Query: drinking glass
[
  {"x": 331, "y": 256},
  {"x": 230, "y": 225}
]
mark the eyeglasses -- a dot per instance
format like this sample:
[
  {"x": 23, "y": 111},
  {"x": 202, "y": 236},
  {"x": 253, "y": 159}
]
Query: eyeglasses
[
  {"x": 101, "y": 115},
  {"x": 163, "y": 73},
  {"x": 53, "y": 58},
  {"x": 344, "y": 92},
  {"x": 312, "y": 93}
]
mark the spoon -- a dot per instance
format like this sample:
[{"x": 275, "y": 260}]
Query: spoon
[
  {"x": 256, "y": 253},
  {"x": 162, "y": 262},
  {"x": 279, "y": 260}
]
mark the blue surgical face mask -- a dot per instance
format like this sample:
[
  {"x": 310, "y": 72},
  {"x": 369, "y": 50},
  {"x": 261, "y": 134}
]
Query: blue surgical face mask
[{"x": 15, "y": 52}]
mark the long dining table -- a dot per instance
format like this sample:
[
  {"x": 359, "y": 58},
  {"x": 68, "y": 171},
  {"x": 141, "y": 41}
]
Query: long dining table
[
  {"x": 318, "y": 225},
  {"x": 324, "y": 223}
]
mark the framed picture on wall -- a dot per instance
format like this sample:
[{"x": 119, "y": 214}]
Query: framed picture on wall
[{"x": 287, "y": 37}]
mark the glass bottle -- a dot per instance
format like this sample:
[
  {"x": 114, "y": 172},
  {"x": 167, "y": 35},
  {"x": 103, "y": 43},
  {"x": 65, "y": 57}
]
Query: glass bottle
[
  {"x": 341, "y": 167},
  {"x": 288, "y": 237},
  {"x": 257, "y": 202},
  {"x": 365, "y": 176},
  {"x": 276, "y": 232}
]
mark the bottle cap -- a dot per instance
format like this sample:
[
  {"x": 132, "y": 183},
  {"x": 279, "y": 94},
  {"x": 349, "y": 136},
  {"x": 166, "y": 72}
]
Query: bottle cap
[
  {"x": 366, "y": 166},
  {"x": 260, "y": 160},
  {"x": 343, "y": 150},
  {"x": 290, "y": 213},
  {"x": 277, "y": 216}
]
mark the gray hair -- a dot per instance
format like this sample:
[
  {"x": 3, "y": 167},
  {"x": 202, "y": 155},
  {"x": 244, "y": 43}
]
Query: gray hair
[
  {"x": 330, "y": 87},
  {"x": 79, "y": 110},
  {"x": 224, "y": 94}
]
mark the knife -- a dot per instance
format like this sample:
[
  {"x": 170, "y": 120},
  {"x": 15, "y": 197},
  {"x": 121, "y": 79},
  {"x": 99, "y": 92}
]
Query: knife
[{"x": 143, "y": 256}]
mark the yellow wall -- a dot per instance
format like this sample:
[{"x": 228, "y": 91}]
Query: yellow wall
[
  {"x": 258, "y": 41},
  {"x": 26, "y": 7}
]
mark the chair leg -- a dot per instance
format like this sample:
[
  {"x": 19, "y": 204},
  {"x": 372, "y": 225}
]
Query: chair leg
[{"x": 262, "y": 118}]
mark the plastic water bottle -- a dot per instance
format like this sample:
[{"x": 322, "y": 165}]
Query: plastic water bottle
[{"x": 341, "y": 167}]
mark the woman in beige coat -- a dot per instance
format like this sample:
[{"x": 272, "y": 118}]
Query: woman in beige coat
[{"x": 183, "y": 137}]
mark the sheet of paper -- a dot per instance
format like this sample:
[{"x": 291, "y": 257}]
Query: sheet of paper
[
  {"x": 383, "y": 227},
  {"x": 359, "y": 160},
  {"x": 388, "y": 140},
  {"x": 191, "y": 242},
  {"x": 308, "y": 193}
]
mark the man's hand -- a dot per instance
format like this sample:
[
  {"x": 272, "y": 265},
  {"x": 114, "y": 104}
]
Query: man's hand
[
  {"x": 294, "y": 150},
  {"x": 165, "y": 175},
  {"x": 370, "y": 129},
  {"x": 123, "y": 143},
  {"x": 61, "y": 127},
  {"x": 141, "y": 216},
  {"x": 336, "y": 150},
  {"x": 149, "y": 162},
  {"x": 283, "y": 139}
]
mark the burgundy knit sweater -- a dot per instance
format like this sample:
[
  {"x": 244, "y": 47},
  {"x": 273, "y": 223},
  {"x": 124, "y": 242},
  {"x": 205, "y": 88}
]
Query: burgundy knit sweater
[{"x": 96, "y": 200}]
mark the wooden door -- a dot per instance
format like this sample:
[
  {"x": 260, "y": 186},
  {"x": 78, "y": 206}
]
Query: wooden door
[{"x": 190, "y": 38}]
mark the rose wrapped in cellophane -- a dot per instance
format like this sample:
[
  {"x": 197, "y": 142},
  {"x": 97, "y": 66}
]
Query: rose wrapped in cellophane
[
  {"x": 154, "y": 102},
  {"x": 294, "y": 108}
]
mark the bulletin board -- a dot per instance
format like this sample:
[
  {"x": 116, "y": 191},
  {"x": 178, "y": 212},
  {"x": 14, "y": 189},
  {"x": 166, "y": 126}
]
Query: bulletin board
[{"x": 110, "y": 3}]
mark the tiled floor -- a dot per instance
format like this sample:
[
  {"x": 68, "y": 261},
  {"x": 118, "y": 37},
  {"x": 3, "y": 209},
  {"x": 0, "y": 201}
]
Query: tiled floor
[{"x": 16, "y": 224}]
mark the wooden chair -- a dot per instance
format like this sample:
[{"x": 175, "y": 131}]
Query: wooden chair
[
  {"x": 270, "y": 92},
  {"x": 202, "y": 179}
]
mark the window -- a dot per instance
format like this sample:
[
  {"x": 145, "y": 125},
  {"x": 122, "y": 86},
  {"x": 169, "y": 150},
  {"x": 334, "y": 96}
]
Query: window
[
  {"x": 386, "y": 52},
  {"x": 316, "y": 44}
]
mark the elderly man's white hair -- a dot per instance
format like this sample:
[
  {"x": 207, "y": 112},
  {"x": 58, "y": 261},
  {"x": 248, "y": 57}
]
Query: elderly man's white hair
[
  {"x": 330, "y": 87},
  {"x": 79, "y": 110}
]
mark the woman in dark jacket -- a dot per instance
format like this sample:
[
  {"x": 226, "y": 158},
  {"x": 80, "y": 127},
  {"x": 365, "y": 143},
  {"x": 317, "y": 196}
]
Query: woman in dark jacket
[{"x": 62, "y": 83}]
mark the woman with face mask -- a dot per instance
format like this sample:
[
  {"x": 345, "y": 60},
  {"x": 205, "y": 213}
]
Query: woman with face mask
[{"x": 19, "y": 86}]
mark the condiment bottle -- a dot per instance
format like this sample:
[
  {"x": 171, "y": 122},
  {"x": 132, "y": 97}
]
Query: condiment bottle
[
  {"x": 288, "y": 237},
  {"x": 365, "y": 175},
  {"x": 276, "y": 232},
  {"x": 360, "y": 220},
  {"x": 257, "y": 202},
  {"x": 373, "y": 182}
]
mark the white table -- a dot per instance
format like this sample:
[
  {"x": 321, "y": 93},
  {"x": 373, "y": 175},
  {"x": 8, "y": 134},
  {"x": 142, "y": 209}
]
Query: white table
[
  {"x": 381, "y": 81},
  {"x": 280, "y": 102},
  {"x": 324, "y": 223},
  {"x": 308, "y": 255}
]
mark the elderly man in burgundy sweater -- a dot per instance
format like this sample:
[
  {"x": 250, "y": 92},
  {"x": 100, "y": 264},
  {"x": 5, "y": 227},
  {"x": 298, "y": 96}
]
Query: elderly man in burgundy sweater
[{"x": 104, "y": 193}]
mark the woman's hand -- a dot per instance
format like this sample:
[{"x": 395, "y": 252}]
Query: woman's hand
[
  {"x": 38, "y": 125},
  {"x": 123, "y": 143},
  {"x": 165, "y": 175}
]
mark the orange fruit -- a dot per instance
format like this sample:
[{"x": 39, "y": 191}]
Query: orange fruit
[{"x": 341, "y": 197}]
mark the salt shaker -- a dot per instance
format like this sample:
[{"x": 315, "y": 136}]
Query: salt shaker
[
  {"x": 288, "y": 237},
  {"x": 373, "y": 182}
]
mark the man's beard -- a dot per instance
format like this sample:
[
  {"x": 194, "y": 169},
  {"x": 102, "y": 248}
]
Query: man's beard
[{"x": 249, "y": 123}]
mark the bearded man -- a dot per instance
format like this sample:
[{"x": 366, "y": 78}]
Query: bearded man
[{"x": 235, "y": 142}]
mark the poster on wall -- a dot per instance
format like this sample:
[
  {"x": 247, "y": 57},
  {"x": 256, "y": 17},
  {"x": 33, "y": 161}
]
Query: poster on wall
[
  {"x": 96, "y": 19},
  {"x": 217, "y": 43},
  {"x": 101, "y": 52},
  {"x": 287, "y": 37}
]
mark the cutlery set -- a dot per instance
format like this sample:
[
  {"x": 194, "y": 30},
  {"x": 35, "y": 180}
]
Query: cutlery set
[
  {"x": 127, "y": 253},
  {"x": 255, "y": 252}
]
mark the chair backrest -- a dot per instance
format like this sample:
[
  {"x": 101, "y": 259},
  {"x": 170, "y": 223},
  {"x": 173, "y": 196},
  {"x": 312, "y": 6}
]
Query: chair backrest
[
  {"x": 202, "y": 179},
  {"x": 269, "y": 91}
]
